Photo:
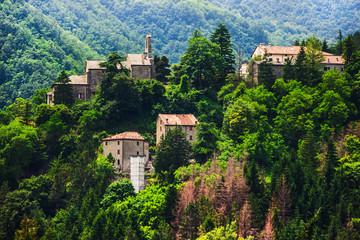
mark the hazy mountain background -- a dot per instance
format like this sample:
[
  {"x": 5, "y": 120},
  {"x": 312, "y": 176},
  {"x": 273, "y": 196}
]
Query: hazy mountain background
[{"x": 38, "y": 38}]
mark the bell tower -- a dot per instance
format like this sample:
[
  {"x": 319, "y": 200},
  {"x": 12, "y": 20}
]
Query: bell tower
[{"x": 148, "y": 45}]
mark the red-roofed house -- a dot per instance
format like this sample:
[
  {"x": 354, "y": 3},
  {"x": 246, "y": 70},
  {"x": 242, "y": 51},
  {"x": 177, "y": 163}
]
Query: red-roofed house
[
  {"x": 277, "y": 56},
  {"x": 124, "y": 145},
  {"x": 165, "y": 122},
  {"x": 141, "y": 66}
]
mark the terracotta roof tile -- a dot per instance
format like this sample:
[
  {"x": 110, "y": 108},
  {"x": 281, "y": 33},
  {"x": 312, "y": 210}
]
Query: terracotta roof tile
[
  {"x": 179, "y": 119},
  {"x": 293, "y": 50},
  {"x": 125, "y": 136},
  {"x": 333, "y": 60}
]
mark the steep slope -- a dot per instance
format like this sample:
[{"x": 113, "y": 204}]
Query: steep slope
[
  {"x": 122, "y": 24},
  {"x": 33, "y": 49},
  {"x": 284, "y": 21}
]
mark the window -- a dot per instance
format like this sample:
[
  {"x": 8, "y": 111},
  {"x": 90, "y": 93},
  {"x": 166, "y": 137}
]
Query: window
[
  {"x": 277, "y": 60},
  {"x": 285, "y": 55},
  {"x": 118, "y": 151},
  {"x": 270, "y": 59},
  {"x": 79, "y": 95},
  {"x": 137, "y": 153},
  {"x": 118, "y": 161},
  {"x": 137, "y": 143},
  {"x": 105, "y": 143},
  {"x": 190, "y": 137},
  {"x": 326, "y": 68},
  {"x": 118, "y": 142},
  {"x": 190, "y": 128}
]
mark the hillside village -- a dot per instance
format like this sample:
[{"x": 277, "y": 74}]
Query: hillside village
[
  {"x": 125, "y": 146},
  {"x": 209, "y": 148}
]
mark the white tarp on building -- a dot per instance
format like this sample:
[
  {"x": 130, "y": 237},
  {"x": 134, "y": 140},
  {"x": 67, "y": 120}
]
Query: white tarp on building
[{"x": 137, "y": 172}]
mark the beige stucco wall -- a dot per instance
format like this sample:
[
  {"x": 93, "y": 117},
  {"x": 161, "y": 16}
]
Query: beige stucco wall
[
  {"x": 126, "y": 149},
  {"x": 161, "y": 129}
]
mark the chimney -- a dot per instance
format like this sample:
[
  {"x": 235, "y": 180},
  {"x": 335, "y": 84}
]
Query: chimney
[{"x": 148, "y": 45}]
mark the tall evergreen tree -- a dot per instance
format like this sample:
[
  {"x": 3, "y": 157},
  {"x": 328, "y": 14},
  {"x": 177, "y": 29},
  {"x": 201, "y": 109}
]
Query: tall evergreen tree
[
  {"x": 162, "y": 68},
  {"x": 325, "y": 47},
  {"x": 300, "y": 67},
  {"x": 339, "y": 44},
  {"x": 313, "y": 59},
  {"x": 289, "y": 70},
  {"x": 222, "y": 37},
  {"x": 266, "y": 74},
  {"x": 63, "y": 90},
  {"x": 203, "y": 62}
]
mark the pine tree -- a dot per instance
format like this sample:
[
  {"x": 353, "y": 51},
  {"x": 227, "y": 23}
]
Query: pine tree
[
  {"x": 289, "y": 70},
  {"x": 222, "y": 37},
  {"x": 300, "y": 67},
  {"x": 325, "y": 47},
  {"x": 339, "y": 44}
]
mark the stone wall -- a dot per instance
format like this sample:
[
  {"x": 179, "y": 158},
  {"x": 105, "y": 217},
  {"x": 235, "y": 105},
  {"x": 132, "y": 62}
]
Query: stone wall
[
  {"x": 123, "y": 149},
  {"x": 94, "y": 77},
  {"x": 142, "y": 72}
]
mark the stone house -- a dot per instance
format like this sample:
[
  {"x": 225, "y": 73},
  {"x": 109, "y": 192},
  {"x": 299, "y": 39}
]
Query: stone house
[
  {"x": 187, "y": 122},
  {"x": 123, "y": 146},
  {"x": 141, "y": 66},
  {"x": 277, "y": 56}
]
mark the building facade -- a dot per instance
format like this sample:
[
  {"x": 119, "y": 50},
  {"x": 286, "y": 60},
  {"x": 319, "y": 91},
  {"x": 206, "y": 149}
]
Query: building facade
[
  {"x": 124, "y": 145},
  {"x": 187, "y": 122},
  {"x": 142, "y": 66},
  {"x": 277, "y": 56}
]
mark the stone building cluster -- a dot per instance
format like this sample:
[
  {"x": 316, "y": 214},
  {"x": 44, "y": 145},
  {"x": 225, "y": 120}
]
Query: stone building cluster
[
  {"x": 84, "y": 86},
  {"x": 277, "y": 56}
]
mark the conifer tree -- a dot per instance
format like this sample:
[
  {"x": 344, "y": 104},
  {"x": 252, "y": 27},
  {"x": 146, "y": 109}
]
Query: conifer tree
[
  {"x": 300, "y": 67},
  {"x": 162, "y": 68},
  {"x": 289, "y": 70},
  {"x": 339, "y": 44},
  {"x": 222, "y": 37},
  {"x": 63, "y": 90},
  {"x": 173, "y": 152}
]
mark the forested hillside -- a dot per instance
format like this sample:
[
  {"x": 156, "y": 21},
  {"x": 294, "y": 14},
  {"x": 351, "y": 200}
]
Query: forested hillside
[
  {"x": 284, "y": 21},
  {"x": 121, "y": 25},
  {"x": 33, "y": 49},
  {"x": 278, "y": 159}
]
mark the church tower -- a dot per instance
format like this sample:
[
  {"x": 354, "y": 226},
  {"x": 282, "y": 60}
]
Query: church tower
[{"x": 148, "y": 45}]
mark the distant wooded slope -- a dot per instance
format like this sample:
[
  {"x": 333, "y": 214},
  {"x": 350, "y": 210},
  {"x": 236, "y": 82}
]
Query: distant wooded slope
[
  {"x": 122, "y": 24},
  {"x": 284, "y": 21},
  {"x": 33, "y": 49}
]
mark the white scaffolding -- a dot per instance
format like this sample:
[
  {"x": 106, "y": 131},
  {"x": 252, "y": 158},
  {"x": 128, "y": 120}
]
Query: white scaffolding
[{"x": 137, "y": 172}]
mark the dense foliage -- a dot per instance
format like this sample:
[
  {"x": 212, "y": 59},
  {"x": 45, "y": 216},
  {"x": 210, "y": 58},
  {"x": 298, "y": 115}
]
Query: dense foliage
[
  {"x": 33, "y": 50},
  {"x": 274, "y": 161}
]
